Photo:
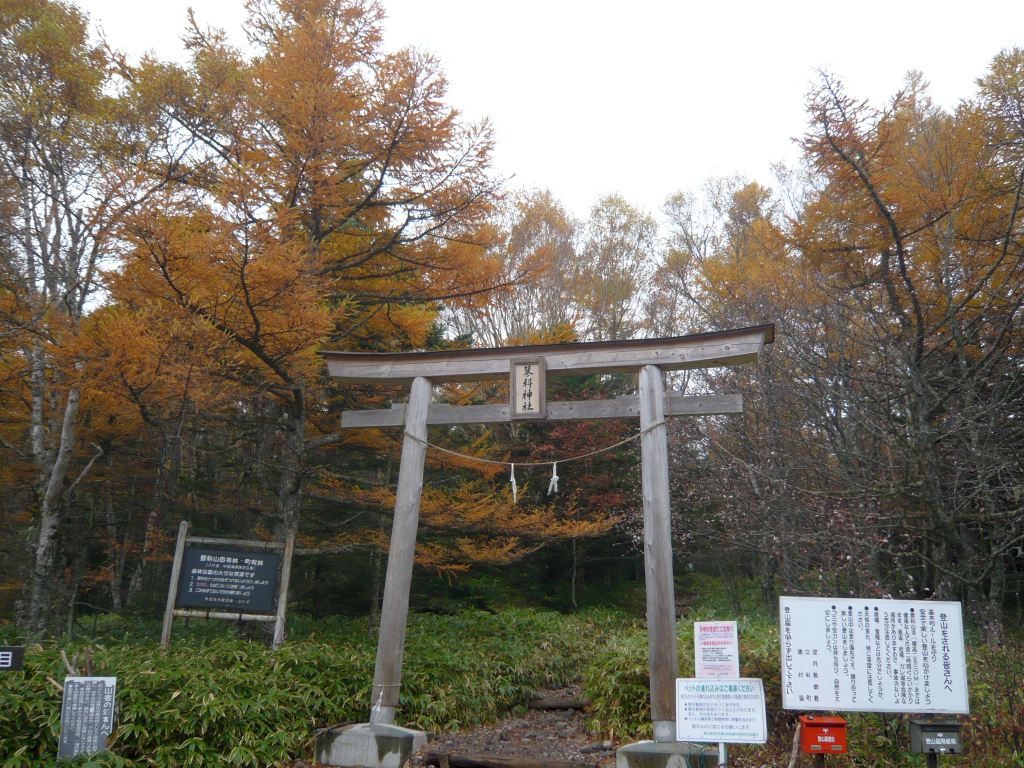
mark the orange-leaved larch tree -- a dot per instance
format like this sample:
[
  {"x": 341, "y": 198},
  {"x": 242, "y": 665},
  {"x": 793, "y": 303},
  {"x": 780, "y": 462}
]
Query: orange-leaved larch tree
[
  {"x": 328, "y": 196},
  {"x": 920, "y": 220}
]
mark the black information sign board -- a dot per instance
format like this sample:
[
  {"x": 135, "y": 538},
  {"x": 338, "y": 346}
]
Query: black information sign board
[
  {"x": 87, "y": 715},
  {"x": 229, "y": 580},
  {"x": 12, "y": 658}
]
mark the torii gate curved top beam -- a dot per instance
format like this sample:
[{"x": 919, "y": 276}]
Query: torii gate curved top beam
[
  {"x": 648, "y": 357},
  {"x": 702, "y": 350}
]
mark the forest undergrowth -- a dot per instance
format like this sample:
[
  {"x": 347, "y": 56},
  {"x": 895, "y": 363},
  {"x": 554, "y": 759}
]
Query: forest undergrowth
[{"x": 216, "y": 699}]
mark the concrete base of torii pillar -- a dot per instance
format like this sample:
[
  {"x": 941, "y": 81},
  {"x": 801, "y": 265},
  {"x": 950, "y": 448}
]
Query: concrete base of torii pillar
[
  {"x": 368, "y": 745},
  {"x": 675, "y": 754}
]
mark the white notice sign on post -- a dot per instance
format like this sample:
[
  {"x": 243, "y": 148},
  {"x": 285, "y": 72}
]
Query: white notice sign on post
[
  {"x": 716, "y": 649},
  {"x": 872, "y": 655},
  {"x": 721, "y": 711}
]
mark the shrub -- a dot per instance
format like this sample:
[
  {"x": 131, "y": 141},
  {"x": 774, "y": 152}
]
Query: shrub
[{"x": 217, "y": 700}]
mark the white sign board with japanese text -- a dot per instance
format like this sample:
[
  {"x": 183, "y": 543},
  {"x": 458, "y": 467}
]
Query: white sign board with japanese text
[
  {"x": 724, "y": 711},
  {"x": 716, "y": 649},
  {"x": 872, "y": 655}
]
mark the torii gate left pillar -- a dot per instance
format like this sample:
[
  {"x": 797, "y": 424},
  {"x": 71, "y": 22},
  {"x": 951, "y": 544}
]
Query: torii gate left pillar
[
  {"x": 387, "y": 674},
  {"x": 360, "y": 744}
]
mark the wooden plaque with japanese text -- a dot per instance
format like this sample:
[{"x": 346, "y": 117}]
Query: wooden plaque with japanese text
[{"x": 527, "y": 388}]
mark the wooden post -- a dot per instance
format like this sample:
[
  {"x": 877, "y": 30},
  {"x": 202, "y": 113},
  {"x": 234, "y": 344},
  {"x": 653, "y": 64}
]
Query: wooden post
[
  {"x": 282, "y": 595},
  {"x": 172, "y": 589},
  {"x": 387, "y": 675},
  {"x": 661, "y": 617}
]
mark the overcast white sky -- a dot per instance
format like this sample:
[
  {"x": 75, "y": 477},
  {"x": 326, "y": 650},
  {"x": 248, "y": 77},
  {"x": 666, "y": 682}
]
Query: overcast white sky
[{"x": 646, "y": 97}]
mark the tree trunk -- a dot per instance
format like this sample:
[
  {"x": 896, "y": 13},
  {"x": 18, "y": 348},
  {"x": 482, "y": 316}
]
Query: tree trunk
[
  {"x": 117, "y": 553},
  {"x": 577, "y": 557},
  {"x": 43, "y": 611},
  {"x": 769, "y": 593},
  {"x": 992, "y": 607},
  {"x": 166, "y": 482},
  {"x": 289, "y": 486},
  {"x": 373, "y": 622}
]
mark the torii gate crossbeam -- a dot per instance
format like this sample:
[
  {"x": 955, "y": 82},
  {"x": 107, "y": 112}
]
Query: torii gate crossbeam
[{"x": 647, "y": 357}]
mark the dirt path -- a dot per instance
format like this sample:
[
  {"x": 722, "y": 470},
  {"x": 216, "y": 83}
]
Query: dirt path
[{"x": 557, "y": 734}]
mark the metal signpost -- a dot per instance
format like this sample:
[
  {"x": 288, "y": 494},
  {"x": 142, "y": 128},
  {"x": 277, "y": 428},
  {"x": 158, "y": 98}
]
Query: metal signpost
[
  {"x": 526, "y": 368},
  {"x": 236, "y": 584},
  {"x": 86, "y": 715}
]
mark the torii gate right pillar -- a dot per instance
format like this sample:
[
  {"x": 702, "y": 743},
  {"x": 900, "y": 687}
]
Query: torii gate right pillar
[{"x": 663, "y": 652}]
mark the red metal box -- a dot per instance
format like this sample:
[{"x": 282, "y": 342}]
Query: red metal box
[{"x": 821, "y": 734}]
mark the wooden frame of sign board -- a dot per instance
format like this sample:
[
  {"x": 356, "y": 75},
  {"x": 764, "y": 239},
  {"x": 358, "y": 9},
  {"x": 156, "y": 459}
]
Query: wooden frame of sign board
[
  {"x": 648, "y": 359},
  {"x": 278, "y": 617}
]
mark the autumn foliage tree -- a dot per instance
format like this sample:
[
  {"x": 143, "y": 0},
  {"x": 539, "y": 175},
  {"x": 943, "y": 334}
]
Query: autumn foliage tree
[
  {"x": 324, "y": 194},
  {"x": 535, "y": 246},
  {"x": 242, "y": 211},
  {"x": 178, "y": 242},
  {"x": 891, "y": 406},
  {"x": 60, "y": 200}
]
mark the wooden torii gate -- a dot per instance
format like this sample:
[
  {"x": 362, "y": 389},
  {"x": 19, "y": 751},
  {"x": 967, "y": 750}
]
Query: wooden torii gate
[{"x": 526, "y": 367}]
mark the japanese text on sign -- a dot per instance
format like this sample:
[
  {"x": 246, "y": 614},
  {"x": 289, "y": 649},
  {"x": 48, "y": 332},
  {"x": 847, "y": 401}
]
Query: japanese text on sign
[
  {"x": 527, "y": 390},
  {"x": 86, "y": 716},
  {"x": 729, "y": 711},
  {"x": 872, "y": 655},
  {"x": 228, "y": 580},
  {"x": 716, "y": 649},
  {"x": 12, "y": 658}
]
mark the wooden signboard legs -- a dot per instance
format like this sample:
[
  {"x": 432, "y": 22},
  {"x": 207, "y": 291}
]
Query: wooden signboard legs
[
  {"x": 282, "y": 601},
  {"x": 387, "y": 675},
  {"x": 172, "y": 589},
  {"x": 663, "y": 652}
]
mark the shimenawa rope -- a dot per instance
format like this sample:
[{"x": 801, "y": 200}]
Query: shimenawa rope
[{"x": 553, "y": 485}]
